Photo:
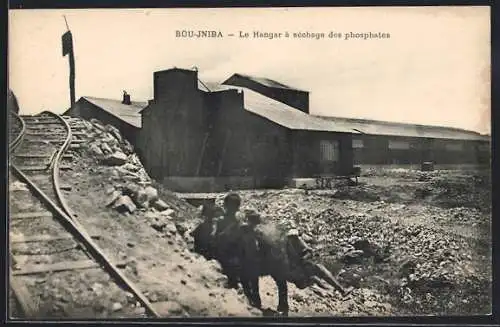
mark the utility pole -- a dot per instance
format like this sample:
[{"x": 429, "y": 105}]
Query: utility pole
[{"x": 67, "y": 49}]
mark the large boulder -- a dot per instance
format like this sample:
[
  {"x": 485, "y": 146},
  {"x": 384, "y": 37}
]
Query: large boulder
[
  {"x": 115, "y": 132},
  {"x": 152, "y": 194},
  {"x": 124, "y": 204},
  {"x": 95, "y": 150},
  {"x": 130, "y": 189},
  {"x": 116, "y": 159},
  {"x": 141, "y": 198},
  {"x": 160, "y": 205},
  {"x": 97, "y": 124},
  {"x": 127, "y": 147},
  {"x": 137, "y": 193},
  {"x": 130, "y": 167},
  {"x": 112, "y": 197}
]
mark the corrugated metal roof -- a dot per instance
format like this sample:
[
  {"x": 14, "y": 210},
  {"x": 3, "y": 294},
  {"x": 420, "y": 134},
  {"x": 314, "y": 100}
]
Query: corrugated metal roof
[
  {"x": 287, "y": 116},
  {"x": 128, "y": 113},
  {"x": 292, "y": 118},
  {"x": 375, "y": 127},
  {"x": 268, "y": 82},
  {"x": 276, "y": 111}
]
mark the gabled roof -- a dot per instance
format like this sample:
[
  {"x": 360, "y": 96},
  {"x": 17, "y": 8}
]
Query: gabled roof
[
  {"x": 128, "y": 113},
  {"x": 285, "y": 115},
  {"x": 263, "y": 81}
]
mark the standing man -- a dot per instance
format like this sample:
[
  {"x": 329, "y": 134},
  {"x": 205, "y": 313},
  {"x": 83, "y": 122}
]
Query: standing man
[
  {"x": 227, "y": 237},
  {"x": 202, "y": 235}
]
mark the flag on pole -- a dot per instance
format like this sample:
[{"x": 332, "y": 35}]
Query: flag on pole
[{"x": 67, "y": 43}]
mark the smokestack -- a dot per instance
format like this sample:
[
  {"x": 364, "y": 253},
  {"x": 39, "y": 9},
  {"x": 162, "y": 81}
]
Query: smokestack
[{"x": 126, "y": 98}]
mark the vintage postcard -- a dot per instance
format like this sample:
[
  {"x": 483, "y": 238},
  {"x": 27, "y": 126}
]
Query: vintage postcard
[{"x": 249, "y": 162}]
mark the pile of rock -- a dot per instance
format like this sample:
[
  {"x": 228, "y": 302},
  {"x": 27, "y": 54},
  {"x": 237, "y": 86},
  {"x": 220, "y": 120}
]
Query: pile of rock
[
  {"x": 363, "y": 238},
  {"x": 107, "y": 140},
  {"x": 434, "y": 255},
  {"x": 110, "y": 148},
  {"x": 132, "y": 190},
  {"x": 464, "y": 216},
  {"x": 129, "y": 197}
]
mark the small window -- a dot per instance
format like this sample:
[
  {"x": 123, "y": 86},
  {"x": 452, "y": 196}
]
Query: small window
[
  {"x": 454, "y": 147},
  {"x": 329, "y": 150},
  {"x": 399, "y": 145},
  {"x": 357, "y": 143}
]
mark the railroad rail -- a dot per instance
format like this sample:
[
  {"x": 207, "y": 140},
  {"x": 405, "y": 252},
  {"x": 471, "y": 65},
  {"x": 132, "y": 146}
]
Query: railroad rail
[{"x": 39, "y": 215}]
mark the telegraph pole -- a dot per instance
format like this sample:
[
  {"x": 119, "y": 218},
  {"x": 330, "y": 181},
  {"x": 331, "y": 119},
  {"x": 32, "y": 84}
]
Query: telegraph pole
[{"x": 67, "y": 48}]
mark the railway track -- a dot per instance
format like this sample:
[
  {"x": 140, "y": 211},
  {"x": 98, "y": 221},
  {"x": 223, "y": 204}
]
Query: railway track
[{"x": 56, "y": 268}]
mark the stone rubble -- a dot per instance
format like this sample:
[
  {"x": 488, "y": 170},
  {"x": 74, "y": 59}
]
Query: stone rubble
[{"x": 106, "y": 144}]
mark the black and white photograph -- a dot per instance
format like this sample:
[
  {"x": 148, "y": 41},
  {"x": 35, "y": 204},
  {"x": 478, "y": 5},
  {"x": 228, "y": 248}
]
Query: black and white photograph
[{"x": 249, "y": 162}]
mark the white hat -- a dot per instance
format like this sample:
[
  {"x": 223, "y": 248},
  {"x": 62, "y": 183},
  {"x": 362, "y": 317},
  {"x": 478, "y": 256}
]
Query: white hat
[{"x": 293, "y": 232}]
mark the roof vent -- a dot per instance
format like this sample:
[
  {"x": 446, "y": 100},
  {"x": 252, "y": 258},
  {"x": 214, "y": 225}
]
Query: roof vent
[{"x": 126, "y": 98}]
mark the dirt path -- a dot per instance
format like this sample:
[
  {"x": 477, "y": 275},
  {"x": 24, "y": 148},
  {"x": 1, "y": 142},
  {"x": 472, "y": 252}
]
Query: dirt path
[{"x": 180, "y": 282}]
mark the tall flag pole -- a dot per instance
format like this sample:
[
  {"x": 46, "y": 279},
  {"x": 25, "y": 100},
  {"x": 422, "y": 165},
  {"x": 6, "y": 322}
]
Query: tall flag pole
[{"x": 67, "y": 49}]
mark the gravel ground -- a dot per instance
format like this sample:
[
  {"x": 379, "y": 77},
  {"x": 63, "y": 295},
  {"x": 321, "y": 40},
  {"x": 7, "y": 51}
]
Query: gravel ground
[
  {"x": 180, "y": 282},
  {"x": 447, "y": 243}
]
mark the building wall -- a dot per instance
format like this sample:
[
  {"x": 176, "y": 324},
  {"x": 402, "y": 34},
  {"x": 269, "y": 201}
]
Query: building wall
[
  {"x": 293, "y": 98},
  {"x": 187, "y": 132},
  {"x": 172, "y": 125},
  {"x": 308, "y": 160},
  {"x": 245, "y": 144},
  {"x": 395, "y": 150},
  {"x": 87, "y": 110}
]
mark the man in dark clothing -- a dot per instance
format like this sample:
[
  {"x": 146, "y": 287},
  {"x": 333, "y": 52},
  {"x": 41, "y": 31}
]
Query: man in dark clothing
[
  {"x": 202, "y": 235},
  {"x": 226, "y": 237},
  {"x": 251, "y": 252}
]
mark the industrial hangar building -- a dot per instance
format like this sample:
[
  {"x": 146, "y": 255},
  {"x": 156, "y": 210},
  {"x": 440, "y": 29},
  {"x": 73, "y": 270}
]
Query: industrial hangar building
[{"x": 250, "y": 132}]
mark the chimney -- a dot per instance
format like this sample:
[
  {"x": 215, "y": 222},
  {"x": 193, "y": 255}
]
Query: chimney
[{"x": 126, "y": 98}]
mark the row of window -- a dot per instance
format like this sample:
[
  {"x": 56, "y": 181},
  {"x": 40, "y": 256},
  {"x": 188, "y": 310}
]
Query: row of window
[
  {"x": 405, "y": 145},
  {"x": 330, "y": 149}
]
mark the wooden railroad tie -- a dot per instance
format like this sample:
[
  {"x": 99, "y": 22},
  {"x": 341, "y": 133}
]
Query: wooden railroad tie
[
  {"x": 41, "y": 168},
  {"x": 40, "y": 177},
  {"x": 44, "y": 122},
  {"x": 49, "y": 133},
  {"x": 59, "y": 266},
  {"x": 74, "y": 146},
  {"x": 40, "y": 156},
  {"x": 53, "y": 127},
  {"x": 31, "y": 215},
  {"x": 73, "y": 133},
  {"x": 33, "y": 168},
  {"x": 42, "y": 238},
  {"x": 44, "y": 141},
  {"x": 24, "y": 298},
  {"x": 77, "y": 141}
]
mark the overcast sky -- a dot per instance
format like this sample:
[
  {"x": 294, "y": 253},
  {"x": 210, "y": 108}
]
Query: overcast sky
[{"x": 434, "y": 69}]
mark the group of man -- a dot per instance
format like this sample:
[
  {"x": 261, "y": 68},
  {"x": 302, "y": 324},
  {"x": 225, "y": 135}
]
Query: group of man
[{"x": 223, "y": 231}]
